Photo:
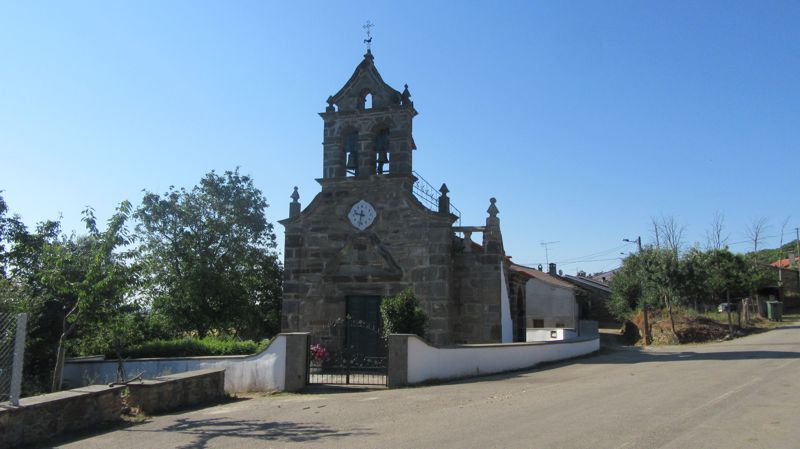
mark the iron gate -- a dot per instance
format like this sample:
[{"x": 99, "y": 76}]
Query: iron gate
[{"x": 352, "y": 352}]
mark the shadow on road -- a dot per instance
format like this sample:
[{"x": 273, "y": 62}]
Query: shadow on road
[
  {"x": 204, "y": 430},
  {"x": 629, "y": 356}
]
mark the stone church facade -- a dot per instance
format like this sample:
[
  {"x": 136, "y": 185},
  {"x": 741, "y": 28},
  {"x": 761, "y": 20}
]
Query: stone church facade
[{"x": 366, "y": 235}]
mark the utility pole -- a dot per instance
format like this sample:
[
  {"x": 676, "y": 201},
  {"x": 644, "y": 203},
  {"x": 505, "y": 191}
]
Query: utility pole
[
  {"x": 797, "y": 255},
  {"x": 655, "y": 228},
  {"x": 644, "y": 303}
]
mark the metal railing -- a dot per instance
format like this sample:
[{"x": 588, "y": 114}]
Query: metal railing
[{"x": 429, "y": 195}]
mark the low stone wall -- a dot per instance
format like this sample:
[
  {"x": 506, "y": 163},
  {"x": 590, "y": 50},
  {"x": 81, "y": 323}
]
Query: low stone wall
[
  {"x": 39, "y": 418},
  {"x": 177, "y": 391},
  {"x": 413, "y": 361},
  {"x": 280, "y": 367}
]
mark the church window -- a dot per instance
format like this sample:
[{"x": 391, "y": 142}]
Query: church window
[
  {"x": 351, "y": 153},
  {"x": 382, "y": 151},
  {"x": 366, "y": 99}
]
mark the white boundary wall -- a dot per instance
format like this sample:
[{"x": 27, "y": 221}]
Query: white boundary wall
[
  {"x": 259, "y": 372},
  {"x": 426, "y": 362},
  {"x": 549, "y": 334}
]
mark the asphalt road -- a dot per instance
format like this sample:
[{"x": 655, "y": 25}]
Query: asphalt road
[{"x": 739, "y": 394}]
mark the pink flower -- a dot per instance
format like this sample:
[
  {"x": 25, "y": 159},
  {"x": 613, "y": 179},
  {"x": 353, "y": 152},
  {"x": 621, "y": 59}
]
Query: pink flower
[{"x": 318, "y": 352}]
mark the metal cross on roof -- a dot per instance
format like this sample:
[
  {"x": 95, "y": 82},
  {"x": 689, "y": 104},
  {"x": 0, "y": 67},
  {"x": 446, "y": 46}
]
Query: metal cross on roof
[{"x": 368, "y": 26}]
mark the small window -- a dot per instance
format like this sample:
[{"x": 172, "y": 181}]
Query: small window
[
  {"x": 559, "y": 324},
  {"x": 538, "y": 323},
  {"x": 368, "y": 101}
]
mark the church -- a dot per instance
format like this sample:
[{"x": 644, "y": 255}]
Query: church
[{"x": 372, "y": 231}]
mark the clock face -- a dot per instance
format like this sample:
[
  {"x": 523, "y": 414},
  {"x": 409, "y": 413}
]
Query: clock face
[{"x": 361, "y": 215}]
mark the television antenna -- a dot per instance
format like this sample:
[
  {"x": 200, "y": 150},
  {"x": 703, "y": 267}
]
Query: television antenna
[{"x": 546, "y": 246}]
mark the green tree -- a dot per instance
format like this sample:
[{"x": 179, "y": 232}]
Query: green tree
[
  {"x": 22, "y": 289},
  {"x": 635, "y": 284},
  {"x": 68, "y": 285},
  {"x": 728, "y": 274},
  {"x": 662, "y": 278},
  {"x": 402, "y": 314},
  {"x": 694, "y": 272},
  {"x": 93, "y": 276},
  {"x": 208, "y": 257}
]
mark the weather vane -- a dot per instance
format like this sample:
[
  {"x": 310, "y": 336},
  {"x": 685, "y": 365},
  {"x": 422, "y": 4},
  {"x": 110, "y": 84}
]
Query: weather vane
[{"x": 368, "y": 26}]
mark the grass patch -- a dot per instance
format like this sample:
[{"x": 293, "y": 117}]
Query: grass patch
[{"x": 194, "y": 347}]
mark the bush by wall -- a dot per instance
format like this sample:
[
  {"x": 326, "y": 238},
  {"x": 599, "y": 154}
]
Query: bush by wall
[
  {"x": 402, "y": 314},
  {"x": 193, "y": 347}
]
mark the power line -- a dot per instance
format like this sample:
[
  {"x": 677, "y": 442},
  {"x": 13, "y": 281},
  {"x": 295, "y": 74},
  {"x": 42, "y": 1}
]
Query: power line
[{"x": 596, "y": 254}]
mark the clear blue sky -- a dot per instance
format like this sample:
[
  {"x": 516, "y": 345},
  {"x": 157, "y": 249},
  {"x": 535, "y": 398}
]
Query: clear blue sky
[{"x": 584, "y": 118}]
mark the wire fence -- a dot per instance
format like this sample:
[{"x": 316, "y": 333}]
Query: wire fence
[{"x": 8, "y": 328}]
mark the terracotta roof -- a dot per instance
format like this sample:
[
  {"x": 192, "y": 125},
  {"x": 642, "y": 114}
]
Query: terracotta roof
[
  {"x": 541, "y": 275},
  {"x": 782, "y": 263}
]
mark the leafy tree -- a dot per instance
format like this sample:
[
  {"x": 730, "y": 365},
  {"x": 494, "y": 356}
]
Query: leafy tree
[
  {"x": 68, "y": 285},
  {"x": 636, "y": 283},
  {"x": 93, "y": 277},
  {"x": 3, "y": 226},
  {"x": 727, "y": 274},
  {"x": 208, "y": 257},
  {"x": 23, "y": 289},
  {"x": 662, "y": 278},
  {"x": 694, "y": 272},
  {"x": 402, "y": 314}
]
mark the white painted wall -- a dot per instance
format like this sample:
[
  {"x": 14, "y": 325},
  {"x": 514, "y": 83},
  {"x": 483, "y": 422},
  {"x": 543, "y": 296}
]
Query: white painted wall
[
  {"x": 551, "y": 303},
  {"x": 426, "y": 362},
  {"x": 259, "y": 372},
  {"x": 552, "y": 334},
  {"x": 506, "y": 325}
]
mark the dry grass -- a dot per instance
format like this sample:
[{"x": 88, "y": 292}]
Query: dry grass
[{"x": 692, "y": 327}]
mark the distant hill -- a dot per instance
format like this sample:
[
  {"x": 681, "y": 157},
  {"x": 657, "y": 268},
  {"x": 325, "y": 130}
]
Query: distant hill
[{"x": 772, "y": 254}]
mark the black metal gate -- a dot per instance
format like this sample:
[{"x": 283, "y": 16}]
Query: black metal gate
[{"x": 352, "y": 351}]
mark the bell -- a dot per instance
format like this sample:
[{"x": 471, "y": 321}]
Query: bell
[
  {"x": 383, "y": 158},
  {"x": 352, "y": 163}
]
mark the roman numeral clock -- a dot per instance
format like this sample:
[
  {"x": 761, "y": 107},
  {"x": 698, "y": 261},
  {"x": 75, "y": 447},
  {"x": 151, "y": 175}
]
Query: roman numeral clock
[{"x": 362, "y": 215}]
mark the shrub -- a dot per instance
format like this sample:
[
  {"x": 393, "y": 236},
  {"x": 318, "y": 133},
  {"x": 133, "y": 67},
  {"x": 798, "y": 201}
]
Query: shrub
[
  {"x": 402, "y": 314},
  {"x": 192, "y": 347}
]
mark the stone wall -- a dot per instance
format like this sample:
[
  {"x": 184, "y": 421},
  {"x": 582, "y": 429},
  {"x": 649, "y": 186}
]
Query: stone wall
[
  {"x": 177, "y": 391},
  {"x": 516, "y": 291},
  {"x": 327, "y": 259},
  {"x": 790, "y": 280},
  {"x": 39, "y": 418},
  {"x": 476, "y": 297}
]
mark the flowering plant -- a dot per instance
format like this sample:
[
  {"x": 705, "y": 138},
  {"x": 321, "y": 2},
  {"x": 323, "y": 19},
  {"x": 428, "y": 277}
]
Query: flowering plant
[{"x": 318, "y": 352}]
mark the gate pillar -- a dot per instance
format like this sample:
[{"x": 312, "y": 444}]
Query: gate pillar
[
  {"x": 296, "y": 362},
  {"x": 397, "y": 360}
]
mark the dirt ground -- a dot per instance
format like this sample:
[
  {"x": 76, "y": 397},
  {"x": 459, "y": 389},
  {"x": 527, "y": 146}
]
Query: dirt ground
[{"x": 694, "y": 328}]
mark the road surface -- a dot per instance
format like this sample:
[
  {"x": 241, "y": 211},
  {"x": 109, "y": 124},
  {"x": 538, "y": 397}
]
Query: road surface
[{"x": 739, "y": 394}]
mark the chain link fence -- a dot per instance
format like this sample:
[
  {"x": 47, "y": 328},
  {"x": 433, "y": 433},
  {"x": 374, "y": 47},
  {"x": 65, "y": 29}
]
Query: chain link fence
[{"x": 11, "y": 325}]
